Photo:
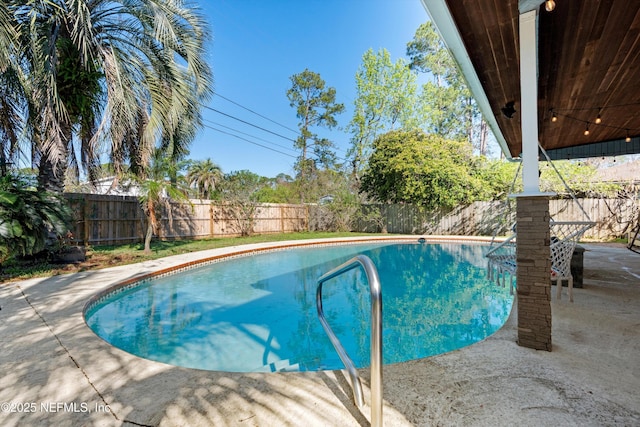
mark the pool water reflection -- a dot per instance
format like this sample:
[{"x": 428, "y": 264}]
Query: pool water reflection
[{"x": 258, "y": 313}]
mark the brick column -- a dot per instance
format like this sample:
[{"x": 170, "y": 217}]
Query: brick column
[{"x": 534, "y": 266}]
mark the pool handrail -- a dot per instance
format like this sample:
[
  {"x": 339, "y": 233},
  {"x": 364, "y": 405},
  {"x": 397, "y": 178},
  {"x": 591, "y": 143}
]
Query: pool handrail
[{"x": 376, "y": 335}]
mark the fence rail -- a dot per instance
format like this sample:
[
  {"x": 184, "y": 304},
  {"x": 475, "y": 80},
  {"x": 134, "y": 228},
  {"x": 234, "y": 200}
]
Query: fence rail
[{"x": 109, "y": 220}]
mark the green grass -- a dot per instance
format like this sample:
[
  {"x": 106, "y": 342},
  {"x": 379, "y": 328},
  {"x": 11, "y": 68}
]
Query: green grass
[{"x": 109, "y": 256}]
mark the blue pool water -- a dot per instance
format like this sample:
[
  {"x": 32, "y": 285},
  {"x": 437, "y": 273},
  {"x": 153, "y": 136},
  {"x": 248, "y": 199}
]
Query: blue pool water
[{"x": 258, "y": 313}]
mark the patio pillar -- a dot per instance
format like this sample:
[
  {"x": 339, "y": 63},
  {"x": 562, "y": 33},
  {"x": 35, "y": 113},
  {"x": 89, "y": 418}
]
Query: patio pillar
[
  {"x": 534, "y": 264},
  {"x": 532, "y": 207},
  {"x": 529, "y": 101}
]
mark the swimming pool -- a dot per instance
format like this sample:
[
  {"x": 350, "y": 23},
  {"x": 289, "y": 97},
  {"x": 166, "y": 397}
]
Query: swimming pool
[{"x": 258, "y": 313}]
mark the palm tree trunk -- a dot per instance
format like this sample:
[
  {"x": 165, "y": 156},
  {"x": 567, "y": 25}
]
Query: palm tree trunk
[
  {"x": 151, "y": 222},
  {"x": 50, "y": 177},
  {"x": 147, "y": 239},
  {"x": 51, "y": 173}
]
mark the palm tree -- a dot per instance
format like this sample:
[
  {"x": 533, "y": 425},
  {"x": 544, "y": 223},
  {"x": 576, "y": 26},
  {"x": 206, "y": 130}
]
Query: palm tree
[
  {"x": 205, "y": 176},
  {"x": 128, "y": 73},
  {"x": 11, "y": 90},
  {"x": 156, "y": 191}
]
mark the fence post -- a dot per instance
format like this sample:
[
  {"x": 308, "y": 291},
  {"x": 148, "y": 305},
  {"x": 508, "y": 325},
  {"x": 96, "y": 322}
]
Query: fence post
[
  {"x": 281, "y": 219},
  {"x": 211, "y": 222},
  {"x": 85, "y": 215}
]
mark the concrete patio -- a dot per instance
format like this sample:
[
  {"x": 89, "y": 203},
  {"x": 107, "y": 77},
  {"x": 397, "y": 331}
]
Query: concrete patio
[{"x": 55, "y": 371}]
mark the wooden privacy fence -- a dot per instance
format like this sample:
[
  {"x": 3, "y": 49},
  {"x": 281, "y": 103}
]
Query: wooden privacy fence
[
  {"x": 106, "y": 220},
  {"x": 613, "y": 218},
  {"x": 110, "y": 220}
]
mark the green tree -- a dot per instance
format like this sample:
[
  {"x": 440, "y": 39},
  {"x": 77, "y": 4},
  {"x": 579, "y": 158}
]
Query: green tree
[
  {"x": 581, "y": 178},
  {"x": 385, "y": 100},
  {"x": 341, "y": 212},
  {"x": 128, "y": 73},
  {"x": 315, "y": 106},
  {"x": 448, "y": 109},
  {"x": 241, "y": 191},
  {"x": 426, "y": 170},
  {"x": 497, "y": 177},
  {"x": 281, "y": 189},
  {"x": 205, "y": 176},
  {"x": 28, "y": 217}
]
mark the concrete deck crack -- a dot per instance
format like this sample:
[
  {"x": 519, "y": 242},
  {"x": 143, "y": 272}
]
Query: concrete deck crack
[{"x": 75, "y": 362}]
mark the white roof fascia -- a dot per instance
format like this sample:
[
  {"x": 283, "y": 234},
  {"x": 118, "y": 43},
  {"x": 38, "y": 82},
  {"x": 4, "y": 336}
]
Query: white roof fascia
[{"x": 443, "y": 21}]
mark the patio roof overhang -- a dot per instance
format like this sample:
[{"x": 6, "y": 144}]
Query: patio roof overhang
[{"x": 588, "y": 56}]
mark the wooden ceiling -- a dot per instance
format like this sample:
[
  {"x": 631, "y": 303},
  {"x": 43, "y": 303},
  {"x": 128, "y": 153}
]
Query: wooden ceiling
[{"x": 588, "y": 64}]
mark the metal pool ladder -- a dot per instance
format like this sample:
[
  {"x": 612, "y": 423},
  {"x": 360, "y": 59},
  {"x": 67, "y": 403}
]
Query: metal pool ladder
[{"x": 376, "y": 335}]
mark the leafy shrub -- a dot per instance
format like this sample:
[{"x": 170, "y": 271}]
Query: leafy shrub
[{"x": 29, "y": 217}]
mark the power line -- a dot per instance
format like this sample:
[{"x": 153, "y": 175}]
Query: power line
[
  {"x": 246, "y": 134},
  {"x": 261, "y": 128},
  {"x": 250, "y": 124},
  {"x": 249, "y": 141},
  {"x": 296, "y": 131},
  {"x": 255, "y": 143}
]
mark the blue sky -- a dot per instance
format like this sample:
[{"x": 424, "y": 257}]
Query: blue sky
[{"x": 257, "y": 45}]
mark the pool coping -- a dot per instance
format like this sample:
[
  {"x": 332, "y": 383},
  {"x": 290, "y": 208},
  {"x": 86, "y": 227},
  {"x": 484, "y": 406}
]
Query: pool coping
[{"x": 52, "y": 356}]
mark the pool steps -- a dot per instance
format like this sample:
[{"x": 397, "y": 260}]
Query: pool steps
[{"x": 284, "y": 365}]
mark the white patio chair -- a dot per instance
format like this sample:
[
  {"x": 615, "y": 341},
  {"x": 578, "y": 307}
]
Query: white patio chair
[{"x": 564, "y": 238}]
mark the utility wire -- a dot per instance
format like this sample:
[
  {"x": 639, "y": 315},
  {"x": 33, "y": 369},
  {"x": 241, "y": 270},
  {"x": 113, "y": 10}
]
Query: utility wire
[
  {"x": 259, "y": 127},
  {"x": 250, "y": 142},
  {"x": 255, "y": 143},
  {"x": 296, "y": 131},
  {"x": 250, "y": 124},
  {"x": 249, "y": 135}
]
